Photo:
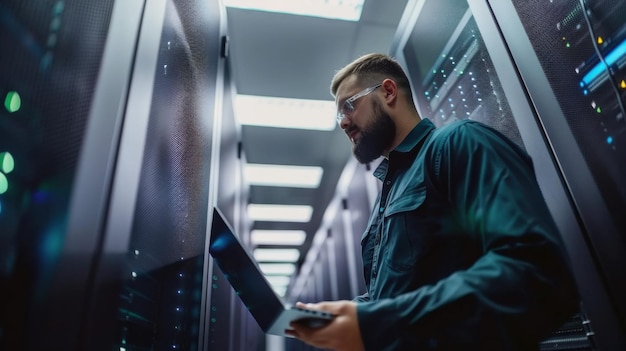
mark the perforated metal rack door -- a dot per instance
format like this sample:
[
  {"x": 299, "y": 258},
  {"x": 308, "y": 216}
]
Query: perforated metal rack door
[{"x": 51, "y": 55}]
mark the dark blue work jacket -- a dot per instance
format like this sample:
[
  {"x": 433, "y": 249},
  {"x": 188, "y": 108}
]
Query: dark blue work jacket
[{"x": 461, "y": 252}]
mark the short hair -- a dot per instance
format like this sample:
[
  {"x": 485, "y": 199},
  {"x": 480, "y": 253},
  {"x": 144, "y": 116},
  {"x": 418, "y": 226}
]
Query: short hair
[{"x": 371, "y": 69}]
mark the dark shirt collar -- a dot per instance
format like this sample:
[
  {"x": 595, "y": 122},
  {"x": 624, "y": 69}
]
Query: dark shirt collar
[
  {"x": 408, "y": 147},
  {"x": 415, "y": 137}
]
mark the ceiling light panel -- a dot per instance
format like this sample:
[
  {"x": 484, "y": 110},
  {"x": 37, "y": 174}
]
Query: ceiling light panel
[
  {"x": 280, "y": 213},
  {"x": 276, "y": 255},
  {"x": 280, "y": 290},
  {"x": 277, "y": 268},
  {"x": 278, "y": 280},
  {"x": 283, "y": 175},
  {"x": 347, "y": 10},
  {"x": 285, "y": 113},
  {"x": 279, "y": 283},
  {"x": 277, "y": 237}
]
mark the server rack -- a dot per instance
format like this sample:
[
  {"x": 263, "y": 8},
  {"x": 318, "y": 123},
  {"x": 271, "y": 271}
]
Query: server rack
[
  {"x": 473, "y": 60},
  {"x": 115, "y": 145},
  {"x": 575, "y": 79},
  {"x": 336, "y": 246},
  {"x": 357, "y": 209},
  {"x": 60, "y": 125}
]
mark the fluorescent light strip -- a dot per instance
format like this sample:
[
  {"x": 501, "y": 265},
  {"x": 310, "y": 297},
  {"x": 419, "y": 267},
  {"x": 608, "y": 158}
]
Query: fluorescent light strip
[
  {"x": 285, "y": 113},
  {"x": 283, "y": 175},
  {"x": 280, "y": 290},
  {"x": 277, "y": 237},
  {"x": 280, "y": 213},
  {"x": 335, "y": 9},
  {"x": 277, "y": 268},
  {"x": 278, "y": 280},
  {"x": 276, "y": 255}
]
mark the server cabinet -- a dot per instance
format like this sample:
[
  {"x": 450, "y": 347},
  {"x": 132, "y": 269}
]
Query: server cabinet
[
  {"x": 461, "y": 68},
  {"x": 570, "y": 56},
  {"x": 59, "y": 125},
  {"x": 344, "y": 272},
  {"x": 359, "y": 204},
  {"x": 231, "y": 327},
  {"x": 110, "y": 145},
  {"x": 151, "y": 286},
  {"x": 332, "y": 268}
]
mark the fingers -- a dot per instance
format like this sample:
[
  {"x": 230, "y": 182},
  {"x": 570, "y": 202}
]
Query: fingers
[
  {"x": 342, "y": 334},
  {"x": 334, "y": 307},
  {"x": 292, "y": 332},
  {"x": 309, "y": 306}
]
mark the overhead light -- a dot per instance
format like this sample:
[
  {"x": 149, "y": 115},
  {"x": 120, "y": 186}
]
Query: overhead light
[
  {"x": 283, "y": 175},
  {"x": 280, "y": 290},
  {"x": 280, "y": 213},
  {"x": 277, "y": 237},
  {"x": 276, "y": 255},
  {"x": 278, "y": 280},
  {"x": 285, "y": 113},
  {"x": 347, "y": 10},
  {"x": 279, "y": 283},
  {"x": 277, "y": 268}
]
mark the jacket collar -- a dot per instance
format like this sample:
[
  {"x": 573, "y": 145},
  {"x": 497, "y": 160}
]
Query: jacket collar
[{"x": 408, "y": 148}]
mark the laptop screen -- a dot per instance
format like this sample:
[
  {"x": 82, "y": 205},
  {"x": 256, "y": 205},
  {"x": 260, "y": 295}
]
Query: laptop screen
[{"x": 243, "y": 273}]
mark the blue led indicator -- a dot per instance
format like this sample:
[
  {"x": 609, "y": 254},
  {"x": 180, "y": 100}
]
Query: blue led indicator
[
  {"x": 609, "y": 140},
  {"x": 610, "y": 60}
]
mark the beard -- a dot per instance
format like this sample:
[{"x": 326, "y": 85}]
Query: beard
[{"x": 376, "y": 138}]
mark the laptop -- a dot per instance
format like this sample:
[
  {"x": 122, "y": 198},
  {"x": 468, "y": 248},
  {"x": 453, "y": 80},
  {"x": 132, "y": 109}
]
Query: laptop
[{"x": 269, "y": 310}]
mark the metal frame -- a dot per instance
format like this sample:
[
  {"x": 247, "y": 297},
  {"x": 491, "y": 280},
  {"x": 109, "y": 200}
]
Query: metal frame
[{"x": 71, "y": 290}]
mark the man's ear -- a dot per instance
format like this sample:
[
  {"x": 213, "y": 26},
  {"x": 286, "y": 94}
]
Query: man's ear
[{"x": 391, "y": 91}]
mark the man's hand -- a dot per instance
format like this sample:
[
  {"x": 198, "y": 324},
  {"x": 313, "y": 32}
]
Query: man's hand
[{"x": 342, "y": 334}]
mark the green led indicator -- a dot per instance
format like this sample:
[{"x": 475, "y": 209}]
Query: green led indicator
[
  {"x": 58, "y": 8},
  {"x": 7, "y": 164},
  {"x": 12, "y": 102},
  {"x": 4, "y": 183}
]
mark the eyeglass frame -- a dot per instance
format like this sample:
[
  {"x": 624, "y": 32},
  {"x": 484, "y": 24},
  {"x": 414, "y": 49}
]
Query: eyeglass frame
[{"x": 343, "y": 113}]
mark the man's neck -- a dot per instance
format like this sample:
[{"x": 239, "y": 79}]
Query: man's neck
[{"x": 403, "y": 128}]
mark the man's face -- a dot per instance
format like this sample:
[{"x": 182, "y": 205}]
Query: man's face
[{"x": 373, "y": 137}]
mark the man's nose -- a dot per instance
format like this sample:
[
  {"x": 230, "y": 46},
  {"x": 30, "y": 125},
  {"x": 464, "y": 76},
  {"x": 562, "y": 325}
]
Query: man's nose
[{"x": 345, "y": 122}]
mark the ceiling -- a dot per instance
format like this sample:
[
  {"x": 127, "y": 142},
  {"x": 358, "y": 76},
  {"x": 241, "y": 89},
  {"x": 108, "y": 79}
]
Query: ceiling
[{"x": 280, "y": 55}]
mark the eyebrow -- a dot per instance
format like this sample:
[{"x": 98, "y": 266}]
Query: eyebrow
[{"x": 342, "y": 101}]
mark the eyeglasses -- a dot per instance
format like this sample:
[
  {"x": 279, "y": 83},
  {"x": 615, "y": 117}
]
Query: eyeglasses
[{"x": 347, "y": 107}]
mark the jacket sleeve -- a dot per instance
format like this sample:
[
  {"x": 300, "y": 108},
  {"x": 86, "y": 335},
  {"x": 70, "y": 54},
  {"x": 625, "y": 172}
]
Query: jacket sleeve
[
  {"x": 518, "y": 291},
  {"x": 362, "y": 298}
]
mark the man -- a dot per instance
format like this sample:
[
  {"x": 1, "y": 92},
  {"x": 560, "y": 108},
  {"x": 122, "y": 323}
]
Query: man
[{"x": 460, "y": 252}]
